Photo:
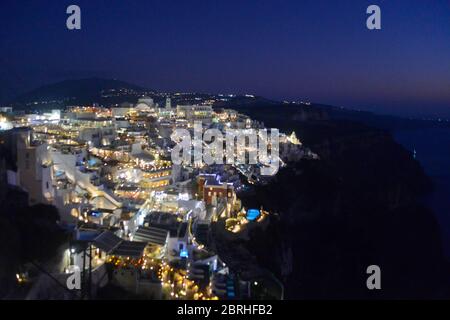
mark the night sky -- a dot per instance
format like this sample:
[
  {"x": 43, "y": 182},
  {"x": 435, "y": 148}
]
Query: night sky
[{"x": 310, "y": 50}]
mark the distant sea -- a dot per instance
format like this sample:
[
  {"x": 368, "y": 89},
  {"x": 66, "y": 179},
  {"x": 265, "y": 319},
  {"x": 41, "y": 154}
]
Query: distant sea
[{"x": 433, "y": 152}]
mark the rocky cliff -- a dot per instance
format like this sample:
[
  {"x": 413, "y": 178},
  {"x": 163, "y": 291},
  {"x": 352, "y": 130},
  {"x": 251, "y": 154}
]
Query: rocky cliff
[{"x": 358, "y": 205}]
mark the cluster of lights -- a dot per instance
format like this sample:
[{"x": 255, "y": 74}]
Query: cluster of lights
[
  {"x": 175, "y": 282},
  {"x": 178, "y": 285}
]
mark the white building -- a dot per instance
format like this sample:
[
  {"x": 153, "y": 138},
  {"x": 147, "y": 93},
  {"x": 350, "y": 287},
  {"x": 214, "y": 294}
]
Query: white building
[
  {"x": 195, "y": 112},
  {"x": 102, "y": 136},
  {"x": 122, "y": 110},
  {"x": 5, "y": 124},
  {"x": 145, "y": 104},
  {"x": 35, "y": 169}
]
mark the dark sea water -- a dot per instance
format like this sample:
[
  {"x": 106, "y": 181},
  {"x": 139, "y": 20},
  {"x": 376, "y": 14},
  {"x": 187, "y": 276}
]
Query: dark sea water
[{"x": 433, "y": 152}]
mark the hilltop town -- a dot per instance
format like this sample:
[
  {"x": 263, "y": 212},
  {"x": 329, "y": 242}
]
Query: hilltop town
[{"x": 135, "y": 220}]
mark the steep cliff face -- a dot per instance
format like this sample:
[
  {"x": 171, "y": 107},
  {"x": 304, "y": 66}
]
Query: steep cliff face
[
  {"x": 372, "y": 161},
  {"x": 358, "y": 205}
]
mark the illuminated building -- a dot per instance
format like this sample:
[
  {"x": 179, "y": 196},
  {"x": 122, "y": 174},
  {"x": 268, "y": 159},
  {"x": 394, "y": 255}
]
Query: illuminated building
[
  {"x": 35, "y": 169},
  {"x": 212, "y": 189},
  {"x": 121, "y": 111},
  {"x": 5, "y": 124},
  {"x": 195, "y": 112}
]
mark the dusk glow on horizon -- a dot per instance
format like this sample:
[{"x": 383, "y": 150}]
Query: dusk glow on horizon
[{"x": 318, "y": 51}]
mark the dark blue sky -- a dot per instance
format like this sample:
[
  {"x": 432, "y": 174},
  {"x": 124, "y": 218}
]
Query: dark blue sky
[{"x": 300, "y": 49}]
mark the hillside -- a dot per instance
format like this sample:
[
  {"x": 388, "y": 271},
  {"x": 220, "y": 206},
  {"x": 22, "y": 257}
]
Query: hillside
[
  {"x": 81, "y": 91},
  {"x": 359, "y": 205}
]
